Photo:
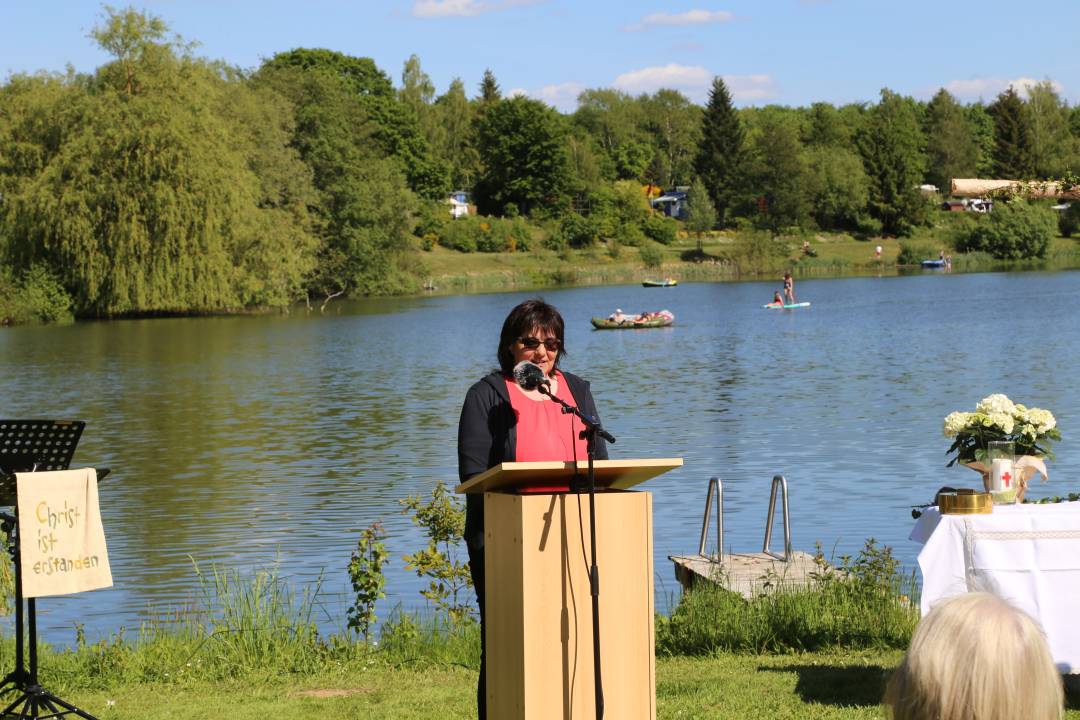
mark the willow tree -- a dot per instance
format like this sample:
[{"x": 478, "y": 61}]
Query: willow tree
[{"x": 142, "y": 193}]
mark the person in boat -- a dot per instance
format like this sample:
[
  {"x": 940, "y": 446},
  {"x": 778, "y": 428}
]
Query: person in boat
[
  {"x": 644, "y": 317},
  {"x": 789, "y": 289},
  {"x": 617, "y": 316},
  {"x": 502, "y": 422},
  {"x": 777, "y": 299}
]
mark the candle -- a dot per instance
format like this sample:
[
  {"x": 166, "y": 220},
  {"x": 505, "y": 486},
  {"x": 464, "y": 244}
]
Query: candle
[{"x": 1001, "y": 474}]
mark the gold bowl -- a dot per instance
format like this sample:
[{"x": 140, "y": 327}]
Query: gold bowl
[{"x": 965, "y": 502}]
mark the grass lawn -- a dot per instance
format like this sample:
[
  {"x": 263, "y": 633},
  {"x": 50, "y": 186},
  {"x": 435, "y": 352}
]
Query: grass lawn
[{"x": 813, "y": 685}]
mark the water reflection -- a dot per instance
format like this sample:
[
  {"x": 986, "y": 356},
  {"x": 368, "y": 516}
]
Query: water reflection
[{"x": 250, "y": 440}]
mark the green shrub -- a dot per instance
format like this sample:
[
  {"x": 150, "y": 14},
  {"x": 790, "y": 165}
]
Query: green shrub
[
  {"x": 1069, "y": 220},
  {"x": 867, "y": 227},
  {"x": 1015, "y": 230},
  {"x": 662, "y": 229},
  {"x": 460, "y": 234},
  {"x": 35, "y": 296},
  {"x": 866, "y": 602},
  {"x": 758, "y": 250},
  {"x": 578, "y": 231},
  {"x": 631, "y": 234},
  {"x": 913, "y": 252},
  {"x": 367, "y": 578},
  {"x": 442, "y": 516},
  {"x": 651, "y": 255},
  {"x": 432, "y": 216}
]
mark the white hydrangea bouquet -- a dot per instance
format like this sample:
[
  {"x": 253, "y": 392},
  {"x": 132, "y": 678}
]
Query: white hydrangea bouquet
[{"x": 997, "y": 418}]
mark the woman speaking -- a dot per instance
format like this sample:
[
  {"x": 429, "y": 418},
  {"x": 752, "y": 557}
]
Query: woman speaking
[{"x": 503, "y": 422}]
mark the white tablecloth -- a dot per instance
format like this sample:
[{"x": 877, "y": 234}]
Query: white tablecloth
[{"x": 1028, "y": 554}]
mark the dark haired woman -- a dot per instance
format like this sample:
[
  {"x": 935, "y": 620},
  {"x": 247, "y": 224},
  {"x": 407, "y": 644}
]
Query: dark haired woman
[{"x": 501, "y": 422}]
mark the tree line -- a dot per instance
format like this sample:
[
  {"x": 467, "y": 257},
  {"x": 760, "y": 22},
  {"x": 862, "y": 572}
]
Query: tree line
[{"x": 164, "y": 182}]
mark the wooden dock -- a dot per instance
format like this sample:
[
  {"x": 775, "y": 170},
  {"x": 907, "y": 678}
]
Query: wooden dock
[{"x": 748, "y": 574}]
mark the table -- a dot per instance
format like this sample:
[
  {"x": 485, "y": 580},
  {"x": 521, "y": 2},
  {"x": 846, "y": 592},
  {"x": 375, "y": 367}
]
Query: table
[{"x": 1027, "y": 554}]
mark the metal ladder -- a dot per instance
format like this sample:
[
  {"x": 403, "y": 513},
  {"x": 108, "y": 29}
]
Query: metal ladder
[{"x": 716, "y": 487}]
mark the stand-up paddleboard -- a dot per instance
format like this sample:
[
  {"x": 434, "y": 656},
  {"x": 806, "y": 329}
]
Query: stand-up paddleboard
[{"x": 774, "y": 306}]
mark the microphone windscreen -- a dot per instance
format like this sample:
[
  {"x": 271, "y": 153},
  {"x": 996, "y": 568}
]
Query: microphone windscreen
[{"x": 528, "y": 375}]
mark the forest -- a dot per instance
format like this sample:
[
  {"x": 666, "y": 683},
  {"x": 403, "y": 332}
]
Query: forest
[{"x": 168, "y": 183}]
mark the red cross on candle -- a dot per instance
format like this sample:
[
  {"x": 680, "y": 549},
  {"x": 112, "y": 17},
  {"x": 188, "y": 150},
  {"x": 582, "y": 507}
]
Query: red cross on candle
[{"x": 1006, "y": 478}]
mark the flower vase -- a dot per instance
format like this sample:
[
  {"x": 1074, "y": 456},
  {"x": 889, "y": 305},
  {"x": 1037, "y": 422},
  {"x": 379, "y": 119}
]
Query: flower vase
[{"x": 1025, "y": 467}]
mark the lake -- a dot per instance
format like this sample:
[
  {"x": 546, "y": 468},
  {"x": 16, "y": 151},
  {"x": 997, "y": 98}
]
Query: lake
[{"x": 253, "y": 442}]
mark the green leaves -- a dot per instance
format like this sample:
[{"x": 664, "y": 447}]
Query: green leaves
[
  {"x": 521, "y": 145},
  {"x": 443, "y": 519},
  {"x": 891, "y": 147},
  {"x": 720, "y": 157},
  {"x": 1015, "y": 230},
  {"x": 368, "y": 581}
]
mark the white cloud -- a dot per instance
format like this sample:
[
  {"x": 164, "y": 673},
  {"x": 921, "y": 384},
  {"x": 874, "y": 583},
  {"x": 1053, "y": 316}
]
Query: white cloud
[
  {"x": 695, "y": 81},
  {"x": 989, "y": 87},
  {"x": 745, "y": 88},
  {"x": 463, "y": 8},
  {"x": 563, "y": 96},
  {"x": 691, "y": 17},
  {"x": 692, "y": 79}
]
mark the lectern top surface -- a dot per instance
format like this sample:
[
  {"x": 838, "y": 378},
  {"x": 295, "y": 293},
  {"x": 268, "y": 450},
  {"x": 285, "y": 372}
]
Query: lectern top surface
[{"x": 615, "y": 474}]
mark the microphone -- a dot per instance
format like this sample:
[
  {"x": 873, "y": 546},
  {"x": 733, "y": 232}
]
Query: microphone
[{"x": 529, "y": 376}]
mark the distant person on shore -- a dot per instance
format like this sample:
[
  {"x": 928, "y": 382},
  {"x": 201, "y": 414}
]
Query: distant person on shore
[
  {"x": 877, "y": 252},
  {"x": 976, "y": 657},
  {"x": 789, "y": 289}
]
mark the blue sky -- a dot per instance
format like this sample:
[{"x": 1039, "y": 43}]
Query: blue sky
[{"x": 791, "y": 52}]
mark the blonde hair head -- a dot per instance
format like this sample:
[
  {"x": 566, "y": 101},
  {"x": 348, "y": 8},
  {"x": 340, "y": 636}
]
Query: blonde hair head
[{"x": 976, "y": 657}]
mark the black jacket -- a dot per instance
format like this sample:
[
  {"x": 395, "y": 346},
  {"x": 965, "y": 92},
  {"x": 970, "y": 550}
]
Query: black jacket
[{"x": 487, "y": 437}]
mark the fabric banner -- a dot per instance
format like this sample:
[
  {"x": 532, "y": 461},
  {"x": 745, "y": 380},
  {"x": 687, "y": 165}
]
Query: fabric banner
[{"x": 61, "y": 540}]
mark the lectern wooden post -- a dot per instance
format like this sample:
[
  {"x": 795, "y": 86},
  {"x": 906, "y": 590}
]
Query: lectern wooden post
[{"x": 538, "y": 607}]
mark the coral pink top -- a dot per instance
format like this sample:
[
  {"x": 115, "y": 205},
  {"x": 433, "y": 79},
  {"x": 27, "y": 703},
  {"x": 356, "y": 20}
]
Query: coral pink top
[{"x": 544, "y": 431}]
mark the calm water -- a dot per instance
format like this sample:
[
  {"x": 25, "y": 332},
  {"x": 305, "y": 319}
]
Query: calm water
[{"x": 251, "y": 441}]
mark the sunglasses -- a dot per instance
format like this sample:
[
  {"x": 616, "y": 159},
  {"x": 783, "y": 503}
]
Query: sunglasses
[{"x": 531, "y": 343}]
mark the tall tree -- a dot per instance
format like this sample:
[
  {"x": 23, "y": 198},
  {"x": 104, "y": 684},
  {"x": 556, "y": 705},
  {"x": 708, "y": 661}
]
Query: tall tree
[
  {"x": 1013, "y": 156},
  {"x": 837, "y": 187},
  {"x": 613, "y": 118},
  {"x": 777, "y": 170},
  {"x": 981, "y": 123},
  {"x": 826, "y": 126},
  {"x": 365, "y": 204},
  {"x": 720, "y": 157},
  {"x": 396, "y": 129},
  {"x": 489, "y": 88},
  {"x": 1051, "y": 142},
  {"x": 674, "y": 124},
  {"x": 891, "y": 146},
  {"x": 523, "y": 151},
  {"x": 950, "y": 143},
  {"x": 457, "y": 138}
]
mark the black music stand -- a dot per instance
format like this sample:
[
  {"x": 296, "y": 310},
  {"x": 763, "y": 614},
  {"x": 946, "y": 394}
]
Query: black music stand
[{"x": 31, "y": 446}]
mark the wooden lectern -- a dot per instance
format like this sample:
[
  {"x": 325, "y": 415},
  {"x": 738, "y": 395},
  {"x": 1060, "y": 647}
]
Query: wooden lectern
[{"x": 538, "y": 606}]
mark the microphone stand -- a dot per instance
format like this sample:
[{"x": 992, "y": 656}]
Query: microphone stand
[{"x": 592, "y": 429}]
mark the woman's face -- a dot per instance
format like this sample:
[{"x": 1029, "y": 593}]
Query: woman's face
[{"x": 541, "y": 354}]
